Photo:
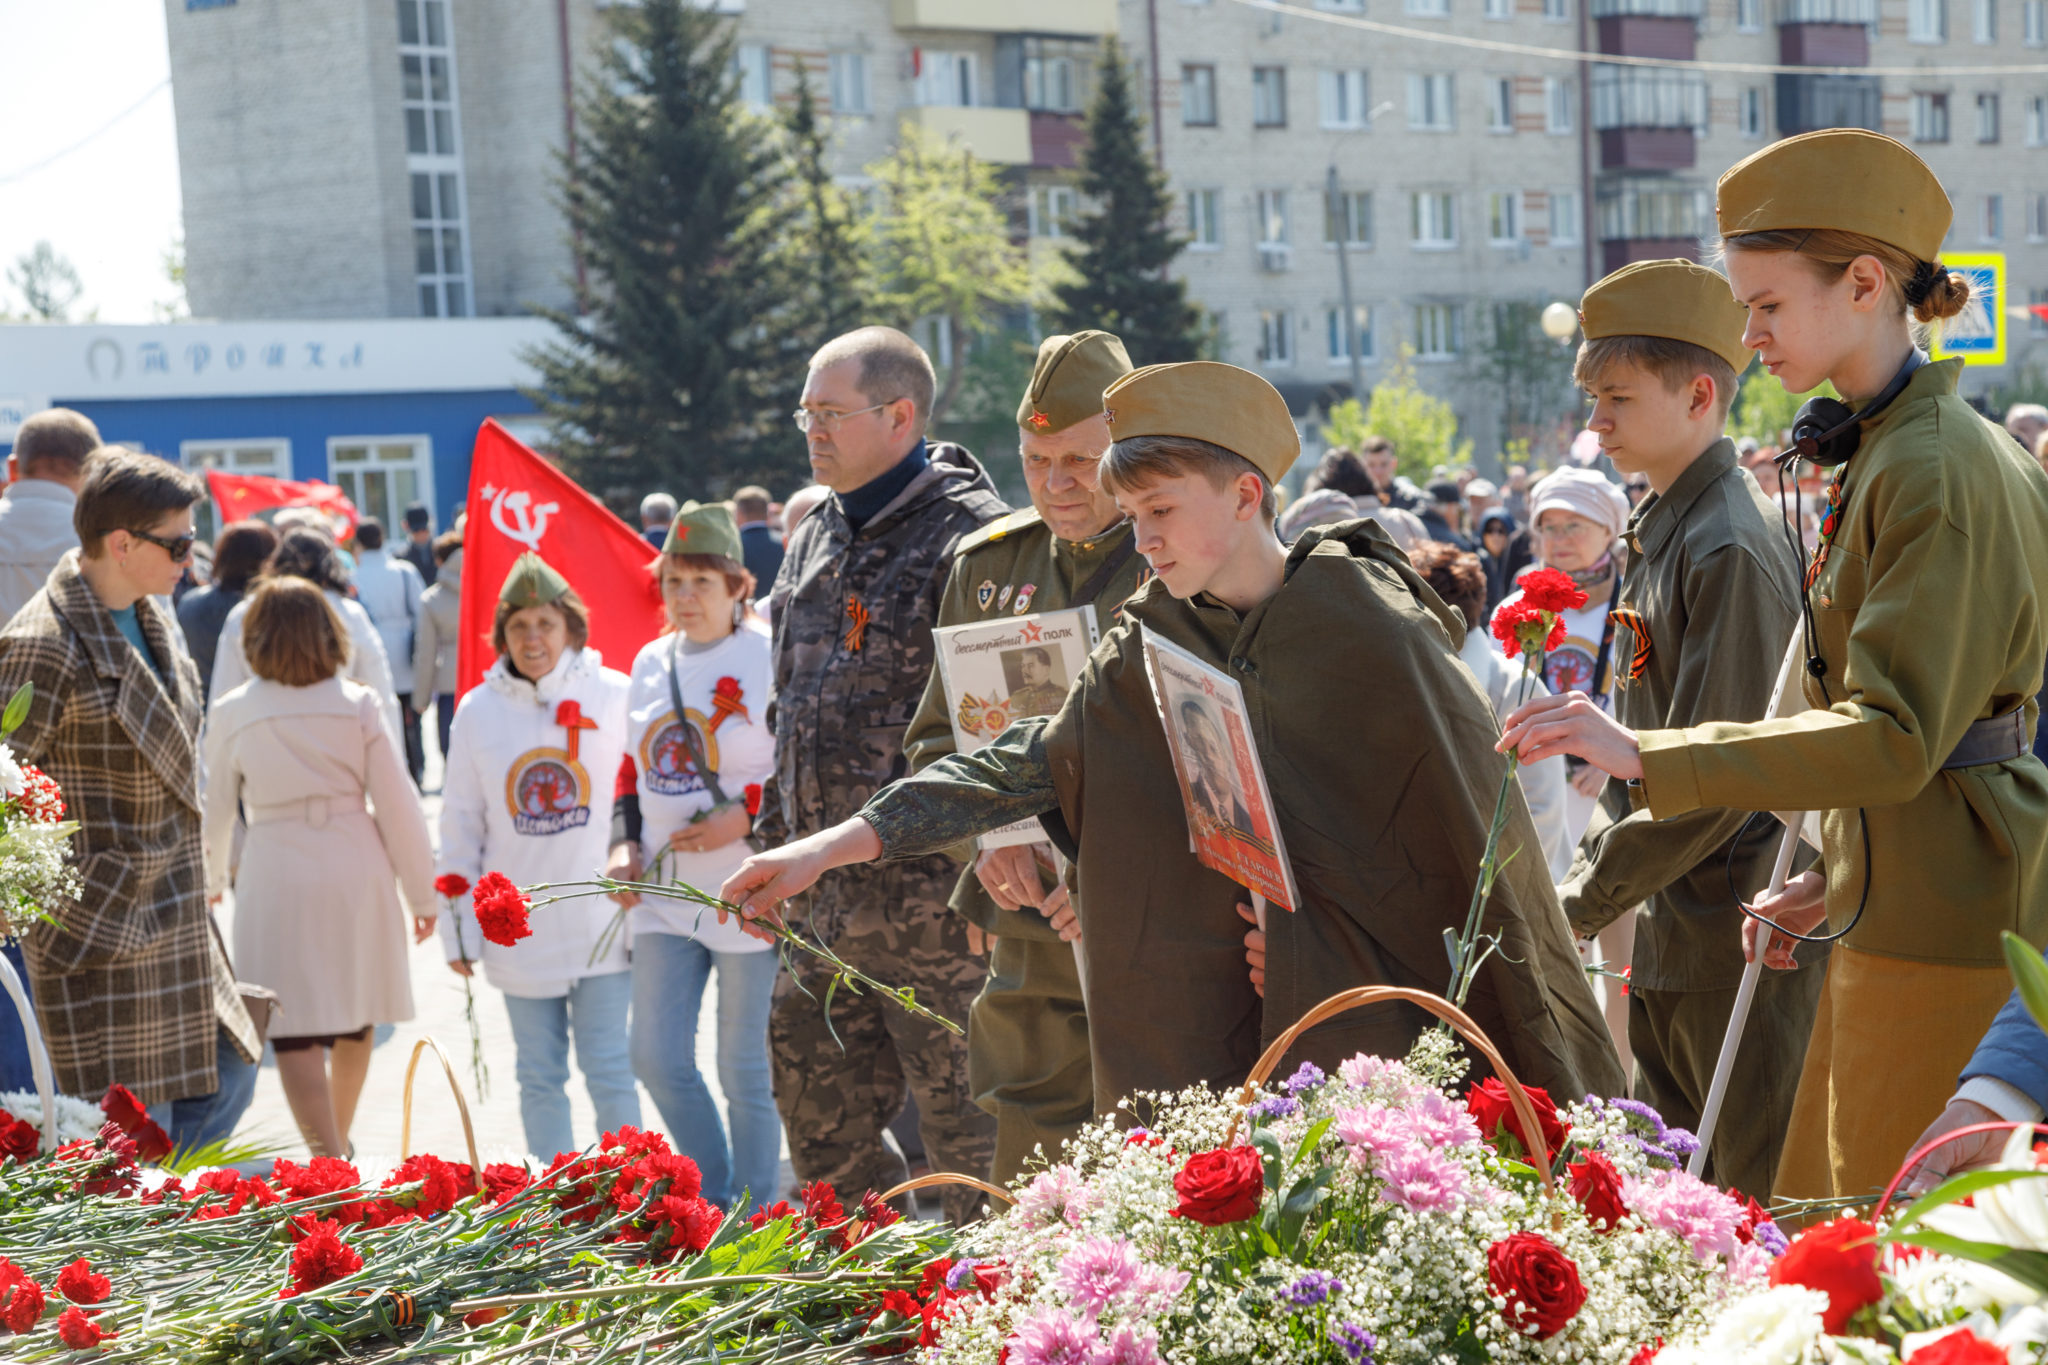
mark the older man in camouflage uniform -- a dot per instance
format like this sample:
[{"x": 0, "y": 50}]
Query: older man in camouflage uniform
[{"x": 854, "y": 606}]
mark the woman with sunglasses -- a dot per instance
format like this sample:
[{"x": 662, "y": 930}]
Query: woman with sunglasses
[{"x": 1927, "y": 619}]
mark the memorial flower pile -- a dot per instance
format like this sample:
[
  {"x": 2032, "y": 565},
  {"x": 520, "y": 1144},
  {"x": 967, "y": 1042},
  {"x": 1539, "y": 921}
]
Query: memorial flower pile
[
  {"x": 1388, "y": 1213},
  {"x": 35, "y": 838}
]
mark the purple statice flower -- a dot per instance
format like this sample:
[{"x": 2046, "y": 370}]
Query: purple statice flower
[
  {"x": 1058, "y": 1195},
  {"x": 1355, "y": 1342},
  {"x": 1275, "y": 1107},
  {"x": 1312, "y": 1289},
  {"x": 1053, "y": 1337},
  {"x": 1420, "y": 1180},
  {"x": 1306, "y": 1077},
  {"x": 1097, "y": 1272},
  {"x": 1681, "y": 1141},
  {"x": 1129, "y": 1345},
  {"x": 962, "y": 1274},
  {"x": 1438, "y": 1122},
  {"x": 1153, "y": 1289},
  {"x": 1771, "y": 1238},
  {"x": 1687, "y": 1207}
]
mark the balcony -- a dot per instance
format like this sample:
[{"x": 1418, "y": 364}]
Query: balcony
[
  {"x": 1647, "y": 219},
  {"x": 1002, "y": 136},
  {"x": 1616, "y": 252},
  {"x": 1809, "y": 103},
  {"x": 1634, "y": 35},
  {"x": 1005, "y": 16},
  {"x": 1056, "y": 140},
  {"x": 1826, "y": 32},
  {"x": 1647, "y": 119}
]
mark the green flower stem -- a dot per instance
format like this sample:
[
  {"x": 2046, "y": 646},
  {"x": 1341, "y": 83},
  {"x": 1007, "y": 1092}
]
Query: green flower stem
[{"x": 1469, "y": 956}]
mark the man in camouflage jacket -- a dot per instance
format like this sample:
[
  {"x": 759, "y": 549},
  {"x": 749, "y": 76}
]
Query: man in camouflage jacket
[{"x": 853, "y": 610}]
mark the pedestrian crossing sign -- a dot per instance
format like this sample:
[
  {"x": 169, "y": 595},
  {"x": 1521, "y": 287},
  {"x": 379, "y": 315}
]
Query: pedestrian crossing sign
[{"x": 1977, "y": 334}]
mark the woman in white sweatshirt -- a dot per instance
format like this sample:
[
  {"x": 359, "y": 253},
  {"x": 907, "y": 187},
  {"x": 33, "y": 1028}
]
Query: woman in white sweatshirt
[
  {"x": 686, "y": 821},
  {"x": 531, "y": 758}
]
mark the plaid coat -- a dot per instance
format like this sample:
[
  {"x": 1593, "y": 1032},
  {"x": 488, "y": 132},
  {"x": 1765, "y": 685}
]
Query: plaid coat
[{"x": 132, "y": 978}]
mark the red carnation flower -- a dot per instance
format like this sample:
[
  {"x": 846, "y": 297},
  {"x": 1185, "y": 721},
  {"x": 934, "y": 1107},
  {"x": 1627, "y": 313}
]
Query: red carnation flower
[
  {"x": 1754, "y": 1216},
  {"x": 321, "y": 1257},
  {"x": 1539, "y": 1282},
  {"x": 451, "y": 885},
  {"x": 1551, "y": 590},
  {"x": 1495, "y": 1114},
  {"x": 502, "y": 1180},
  {"x": 726, "y": 687},
  {"x": 77, "y": 1283},
  {"x": 80, "y": 1332},
  {"x": 769, "y": 1213},
  {"x": 121, "y": 1107},
  {"x": 1597, "y": 1187},
  {"x": 1519, "y": 626},
  {"x": 1839, "y": 1259},
  {"x": 1219, "y": 1187},
  {"x": 21, "y": 1305},
  {"x": 18, "y": 1138},
  {"x": 753, "y": 798},
  {"x": 1960, "y": 1347},
  {"x": 501, "y": 910}
]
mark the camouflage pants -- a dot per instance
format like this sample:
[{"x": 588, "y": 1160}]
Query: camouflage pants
[
  {"x": 838, "y": 1097},
  {"x": 1028, "y": 1050}
]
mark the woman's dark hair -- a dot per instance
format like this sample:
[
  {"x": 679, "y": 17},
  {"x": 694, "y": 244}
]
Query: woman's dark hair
[
  {"x": 293, "y": 635},
  {"x": 127, "y": 491},
  {"x": 239, "y": 553},
  {"x": 445, "y": 545},
  {"x": 306, "y": 553},
  {"x": 1456, "y": 576},
  {"x": 1341, "y": 471}
]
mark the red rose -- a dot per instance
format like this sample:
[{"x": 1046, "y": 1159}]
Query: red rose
[
  {"x": 321, "y": 1257},
  {"x": 1960, "y": 1347},
  {"x": 1539, "y": 1282},
  {"x": 1597, "y": 1187},
  {"x": 1840, "y": 1260},
  {"x": 80, "y": 1332},
  {"x": 18, "y": 1138},
  {"x": 77, "y": 1283},
  {"x": 41, "y": 800},
  {"x": 451, "y": 885},
  {"x": 1494, "y": 1112},
  {"x": 21, "y": 1305},
  {"x": 1551, "y": 590},
  {"x": 753, "y": 798},
  {"x": 1219, "y": 1187},
  {"x": 501, "y": 910}
]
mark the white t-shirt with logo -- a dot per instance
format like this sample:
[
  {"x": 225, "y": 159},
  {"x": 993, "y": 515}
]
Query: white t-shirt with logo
[{"x": 1570, "y": 668}]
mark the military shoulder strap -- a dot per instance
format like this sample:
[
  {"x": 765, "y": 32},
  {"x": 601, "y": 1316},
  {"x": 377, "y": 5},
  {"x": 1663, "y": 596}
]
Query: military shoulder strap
[
  {"x": 996, "y": 530},
  {"x": 1099, "y": 580}
]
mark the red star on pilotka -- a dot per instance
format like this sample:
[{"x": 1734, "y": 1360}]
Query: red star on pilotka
[{"x": 1039, "y": 419}]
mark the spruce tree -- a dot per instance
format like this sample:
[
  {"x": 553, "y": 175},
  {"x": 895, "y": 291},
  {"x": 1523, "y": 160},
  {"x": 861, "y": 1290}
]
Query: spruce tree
[
  {"x": 674, "y": 377},
  {"x": 1123, "y": 249}
]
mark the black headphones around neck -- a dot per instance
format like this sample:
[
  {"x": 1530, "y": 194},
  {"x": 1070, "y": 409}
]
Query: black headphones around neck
[{"x": 1827, "y": 431}]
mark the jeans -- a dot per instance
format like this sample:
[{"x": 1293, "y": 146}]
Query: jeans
[
  {"x": 415, "y": 746},
  {"x": 596, "y": 1008},
  {"x": 197, "y": 1120},
  {"x": 669, "y": 976},
  {"x": 444, "y": 717},
  {"x": 15, "y": 1071}
]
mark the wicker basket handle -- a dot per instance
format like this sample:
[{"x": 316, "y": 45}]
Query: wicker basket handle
[
  {"x": 925, "y": 1182},
  {"x": 1442, "y": 1009},
  {"x": 476, "y": 1166}
]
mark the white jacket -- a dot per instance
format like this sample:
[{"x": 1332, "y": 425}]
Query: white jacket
[
  {"x": 389, "y": 590},
  {"x": 740, "y": 749},
  {"x": 35, "y": 531},
  {"x": 366, "y": 663},
  {"x": 507, "y": 746},
  {"x": 1544, "y": 784}
]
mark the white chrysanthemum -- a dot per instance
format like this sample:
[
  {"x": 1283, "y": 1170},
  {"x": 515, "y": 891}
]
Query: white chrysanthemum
[
  {"x": 12, "y": 782},
  {"x": 1776, "y": 1327},
  {"x": 76, "y": 1119}
]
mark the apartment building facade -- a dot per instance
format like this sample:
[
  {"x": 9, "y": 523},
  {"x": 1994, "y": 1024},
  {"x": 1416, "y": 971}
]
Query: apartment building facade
[{"x": 397, "y": 158}]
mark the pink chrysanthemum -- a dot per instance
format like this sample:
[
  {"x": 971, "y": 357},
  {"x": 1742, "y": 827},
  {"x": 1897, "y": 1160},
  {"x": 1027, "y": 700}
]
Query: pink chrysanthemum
[
  {"x": 1687, "y": 1207},
  {"x": 1130, "y": 1345},
  {"x": 1153, "y": 1289},
  {"x": 1052, "y": 1337},
  {"x": 1422, "y": 1181},
  {"x": 1059, "y": 1195},
  {"x": 1095, "y": 1273},
  {"x": 1438, "y": 1122},
  {"x": 1374, "y": 1130}
]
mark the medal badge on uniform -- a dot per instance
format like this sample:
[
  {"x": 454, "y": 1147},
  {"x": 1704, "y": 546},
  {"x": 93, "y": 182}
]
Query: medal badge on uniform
[
  {"x": 1024, "y": 597},
  {"x": 986, "y": 593},
  {"x": 1003, "y": 601}
]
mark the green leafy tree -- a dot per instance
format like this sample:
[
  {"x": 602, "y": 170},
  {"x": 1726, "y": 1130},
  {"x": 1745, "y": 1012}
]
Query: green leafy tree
[
  {"x": 1422, "y": 427},
  {"x": 940, "y": 248},
  {"x": 984, "y": 419},
  {"x": 822, "y": 249},
  {"x": 1122, "y": 251},
  {"x": 676, "y": 376},
  {"x": 47, "y": 282},
  {"x": 1764, "y": 410},
  {"x": 1529, "y": 374}
]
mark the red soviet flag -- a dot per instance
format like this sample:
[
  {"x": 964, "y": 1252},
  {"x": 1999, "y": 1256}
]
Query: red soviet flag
[
  {"x": 520, "y": 502},
  {"x": 243, "y": 495}
]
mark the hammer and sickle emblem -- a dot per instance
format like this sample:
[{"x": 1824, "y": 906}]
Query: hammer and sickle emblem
[{"x": 527, "y": 522}]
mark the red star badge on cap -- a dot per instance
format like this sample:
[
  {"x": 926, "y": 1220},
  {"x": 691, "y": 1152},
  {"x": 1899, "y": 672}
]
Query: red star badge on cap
[{"x": 1039, "y": 419}]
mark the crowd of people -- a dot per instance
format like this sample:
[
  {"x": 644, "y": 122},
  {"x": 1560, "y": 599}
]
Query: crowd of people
[{"x": 259, "y": 728}]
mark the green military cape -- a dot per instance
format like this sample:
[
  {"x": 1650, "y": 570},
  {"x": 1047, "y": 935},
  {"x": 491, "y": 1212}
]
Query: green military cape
[{"x": 1378, "y": 747}]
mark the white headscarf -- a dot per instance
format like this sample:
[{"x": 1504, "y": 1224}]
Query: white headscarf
[{"x": 1582, "y": 492}]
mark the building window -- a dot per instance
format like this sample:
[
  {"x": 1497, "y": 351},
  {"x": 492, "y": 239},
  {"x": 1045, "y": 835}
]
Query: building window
[
  {"x": 2034, "y": 22},
  {"x": 1991, "y": 220},
  {"x": 1500, "y": 104},
  {"x": 1430, "y": 101},
  {"x": 945, "y": 79},
  {"x": 1269, "y": 97},
  {"x": 2037, "y": 312},
  {"x": 382, "y": 475},
  {"x": 1433, "y": 9},
  {"x": 2037, "y": 217},
  {"x": 1347, "y": 218},
  {"x": 1056, "y": 74},
  {"x": 1927, "y": 21},
  {"x": 1652, "y": 208},
  {"x": 1557, "y": 11},
  {"x": 1930, "y": 117},
  {"x": 1343, "y": 99},
  {"x": 1437, "y": 331},
  {"x": 1749, "y": 111},
  {"x": 848, "y": 78},
  {"x": 1560, "y": 104},
  {"x": 1052, "y": 210},
  {"x": 1749, "y": 16},
  {"x": 433, "y": 160},
  {"x": 1499, "y": 9},
  {"x": 1433, "y": 220},
  {"x": 1987, "y": 117},
  {"x": 754, "y": 64},
  {"x": 1198, "y": 96},
  {"x": 1504, "y": 217},
  {"x": 1631, "y": 97},
  {"x": 1566, "y": 217},
  {"x": 1984, "y": 21},
  {"x": 2037, "y": 121},
  {"x": 1272, "y": 210},
  {"x": 1276, "y": 337},
  {"x": 1360, "y": 338},
  {"x": 271, "y": 458},
  {"x": 1205, "y": 228}
]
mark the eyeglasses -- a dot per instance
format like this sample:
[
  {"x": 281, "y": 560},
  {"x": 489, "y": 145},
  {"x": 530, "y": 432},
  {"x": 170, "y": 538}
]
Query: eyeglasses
[
  {"x": 179, "y": 548},
  {"x": 1569, "y": 530},
  {"x": 824, "y": 419}
]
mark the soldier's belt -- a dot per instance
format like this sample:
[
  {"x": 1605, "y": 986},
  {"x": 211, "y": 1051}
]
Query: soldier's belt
[{"x": 2000, "y": 739}]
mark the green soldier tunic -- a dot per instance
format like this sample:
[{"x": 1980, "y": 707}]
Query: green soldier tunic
[
  {"x": 1713, "y": 580},
  {"x": 1378, "y": 747},
  {"x": 1027, "y": 1037}
]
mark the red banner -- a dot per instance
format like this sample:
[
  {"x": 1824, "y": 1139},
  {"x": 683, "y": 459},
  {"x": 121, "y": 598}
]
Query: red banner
[
  {"x": 244, "y": 495},
  {"x": 520, "y": 502}
]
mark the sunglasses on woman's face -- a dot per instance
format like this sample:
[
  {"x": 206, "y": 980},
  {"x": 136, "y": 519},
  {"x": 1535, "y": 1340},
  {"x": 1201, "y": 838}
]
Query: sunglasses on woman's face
[{"x": 179, "y": 548}]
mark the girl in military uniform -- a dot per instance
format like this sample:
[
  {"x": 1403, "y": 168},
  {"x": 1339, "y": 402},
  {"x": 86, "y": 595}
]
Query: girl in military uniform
[{"x": 1926, "y": 629}]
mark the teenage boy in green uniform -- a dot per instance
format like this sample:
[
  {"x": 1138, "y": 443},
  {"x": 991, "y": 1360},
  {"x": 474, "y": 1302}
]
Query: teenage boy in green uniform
[
  {"x": 1384, "y": 839},
  {"x": 1707, "y": 606},
  {"x": 1027, "y": 1035}
]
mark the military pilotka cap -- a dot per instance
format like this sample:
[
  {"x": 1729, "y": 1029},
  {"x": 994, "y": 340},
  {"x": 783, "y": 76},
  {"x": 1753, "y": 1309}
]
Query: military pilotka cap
[
  {"x": 1847, "y": 179},
  {"x": 532, "y": 583},
  {"x": 1207, "y": 401},
  {"x": 704, "y": 528},
  {"x": 1676, "y": 300},
  {"x": 1067, "y": 383}
]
